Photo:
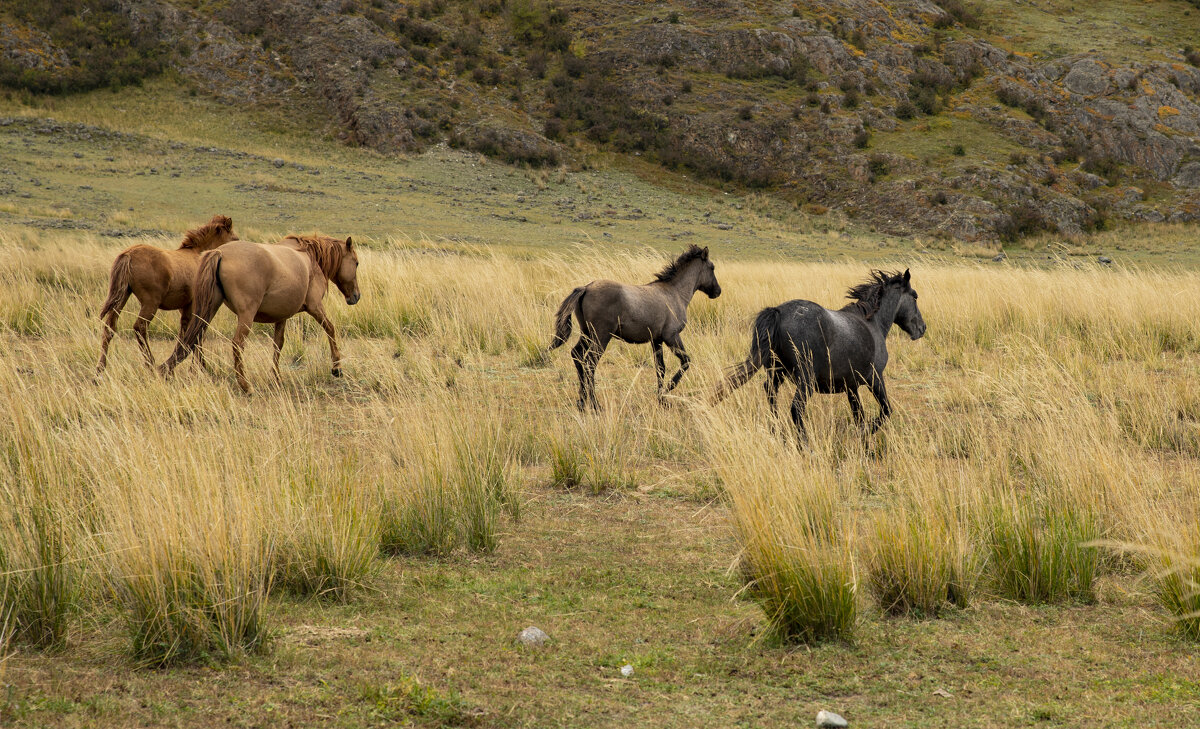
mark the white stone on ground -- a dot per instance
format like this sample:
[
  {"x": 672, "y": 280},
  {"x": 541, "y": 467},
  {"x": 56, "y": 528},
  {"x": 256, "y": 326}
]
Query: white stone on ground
[
  {"x": 533, "y": 637},
  {"x": 830, "y": 720}
]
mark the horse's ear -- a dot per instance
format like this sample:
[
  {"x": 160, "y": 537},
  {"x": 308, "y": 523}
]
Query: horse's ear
[
  {"x": 907, "y": 276},
  {"x": 706, "y": 253},
  {"x": 349, "y": 243}
]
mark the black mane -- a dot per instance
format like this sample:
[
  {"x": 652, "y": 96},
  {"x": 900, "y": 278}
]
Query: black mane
[
  {"x": 868, "y": 296},
  {"x": 674, "y": 267}
]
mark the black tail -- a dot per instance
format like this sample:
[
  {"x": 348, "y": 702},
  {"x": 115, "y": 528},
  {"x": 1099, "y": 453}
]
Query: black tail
[
  {"x": 562, "y": 320},
  {"x": 765, "y": 331}
]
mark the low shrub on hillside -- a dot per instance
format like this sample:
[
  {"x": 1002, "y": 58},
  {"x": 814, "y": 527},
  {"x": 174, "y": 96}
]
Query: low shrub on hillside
[
  {"x": 102, "y": 46},
  {"x": 1022, "y": 220},
  {"x": 956, "y": 12}
]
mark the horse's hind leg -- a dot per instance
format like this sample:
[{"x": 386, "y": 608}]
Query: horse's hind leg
[
  {"x": 799, "y": 401},
  {"x": 591, "y": 358},
  {"x": 579, "y": 354},
  {"x": 141, "y": 327},
  {"x": 856, "y": 408},
  {"x": 107, "y": 332},
  {"x": 185, "y": 319},
  {"x": 771, "y": 387},
  {"x": 239, "y": 342}
]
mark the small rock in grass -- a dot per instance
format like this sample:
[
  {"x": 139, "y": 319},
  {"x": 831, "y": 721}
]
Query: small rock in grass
[
  {"x": 831, "y": 720},
  {"x": 627, "y": 670},
  {"x": 1105, "y": 260},
  {"x": 532, "y": 637},
  {"x": 277, "y": 162},
  {"x": 1000, "y": 256}
]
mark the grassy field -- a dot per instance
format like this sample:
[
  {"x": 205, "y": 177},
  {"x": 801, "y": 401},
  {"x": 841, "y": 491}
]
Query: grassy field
[{"x": 363, "y": 551}]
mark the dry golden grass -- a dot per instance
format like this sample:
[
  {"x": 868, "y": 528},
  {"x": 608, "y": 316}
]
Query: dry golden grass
[{"x": 1045, "y": 410}]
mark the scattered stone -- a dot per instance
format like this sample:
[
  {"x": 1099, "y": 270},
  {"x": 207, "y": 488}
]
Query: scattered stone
[
  {"x": 943, "y": 693},
  {"x": 1105, "y": 260},
  {"x": 532, "y": 637},
  {"x": 830, "y": 720},
  {"x": 724, "y": 226},
  {"x": 627, "y": 670},
  {"x": 999, "y": 257},
  {"x": 277, "y": 162}
]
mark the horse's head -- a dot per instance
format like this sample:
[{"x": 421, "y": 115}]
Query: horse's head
[
  {"x": 708, "y": 277},
  {"x": 346, "y": 277},
  {"x": 214, "y": 233},
  {"x": 908, "y": 315}
]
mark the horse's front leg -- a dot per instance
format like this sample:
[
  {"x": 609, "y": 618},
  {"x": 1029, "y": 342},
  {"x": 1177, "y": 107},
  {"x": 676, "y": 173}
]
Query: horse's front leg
[
  {"x": 879, "y": 390},
  {"x": 676, "y": 345},
  {"x": 660, "y": 365},
  {"x": 280, "y": 330},
  {"x": 335, "y": 354}
]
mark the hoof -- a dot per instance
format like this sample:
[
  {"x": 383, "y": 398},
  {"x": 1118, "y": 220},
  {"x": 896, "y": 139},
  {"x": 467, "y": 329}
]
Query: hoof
[{"x": 337, "y": 371}]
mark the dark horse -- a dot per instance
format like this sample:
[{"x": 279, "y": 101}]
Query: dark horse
[
  {"x": 831, "y": 351},
  {"x": 655, "y": 312}
]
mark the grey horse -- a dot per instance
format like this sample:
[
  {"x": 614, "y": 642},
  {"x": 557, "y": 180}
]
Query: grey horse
[
  {"x": 831, "y": 351},
  {"x": 655, "y": 312}
]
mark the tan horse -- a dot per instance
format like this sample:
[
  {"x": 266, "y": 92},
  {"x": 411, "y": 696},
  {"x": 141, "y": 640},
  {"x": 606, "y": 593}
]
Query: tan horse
[
  {"x": 160, "y": 280},
  {"x": 270, "y": 283}
]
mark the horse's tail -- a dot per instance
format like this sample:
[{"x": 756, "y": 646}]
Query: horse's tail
[
  {"x": 765, "y": 331},
  {"x": 207, "y": 297},
  {"x": 120, "y": 285},
  {"x": 562, "y": 320}
]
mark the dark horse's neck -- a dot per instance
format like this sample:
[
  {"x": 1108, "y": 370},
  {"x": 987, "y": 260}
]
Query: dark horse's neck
[{"x": 885, "y": 316}]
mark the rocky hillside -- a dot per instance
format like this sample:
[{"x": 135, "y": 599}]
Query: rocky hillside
[{"x": 987, "y": 121}]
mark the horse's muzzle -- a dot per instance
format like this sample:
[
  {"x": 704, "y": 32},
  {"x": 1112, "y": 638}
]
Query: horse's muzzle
[
  {"x": 918, "y": 333},
  {"x": 353, "y": 298}
]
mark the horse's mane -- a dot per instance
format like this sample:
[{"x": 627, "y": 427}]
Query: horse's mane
[
  {"x": 197, "y": 237},
  {"x": 327, "y": 253},
  {"x": 868, "y": 295},
  {"x": 674, "y": 267}
]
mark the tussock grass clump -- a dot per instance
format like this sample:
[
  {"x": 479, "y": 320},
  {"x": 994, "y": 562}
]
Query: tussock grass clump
[
  {"x": 332, "y": 547},
  {"x": 1177, "y": 587},
  {"x": 1041, "y": 553},
  {"x": 41, "y": 568},
  {"x": 594, "y": 452},
  {"x": 918, "y": 563},
  {"x": 192, "y": 607},
  {"x": 795, "y": 532},
  {"x": 461, "y": 485},
  {"x": 40, "y": 580}
]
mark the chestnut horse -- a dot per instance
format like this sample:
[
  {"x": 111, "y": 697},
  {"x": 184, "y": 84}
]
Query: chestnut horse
[
  {"x": 270, "y": 283},
  {"x": 655, "y": 312},
  {"x": 160, "y": 280}
]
